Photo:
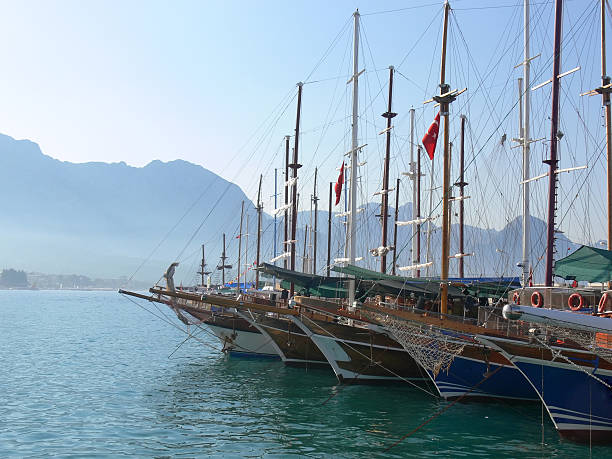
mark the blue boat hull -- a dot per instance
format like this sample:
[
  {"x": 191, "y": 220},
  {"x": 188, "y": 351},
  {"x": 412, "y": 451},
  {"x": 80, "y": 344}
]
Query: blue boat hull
[
  {"x": 476, "y": 379},
  {"x": 579, "y": 405}
]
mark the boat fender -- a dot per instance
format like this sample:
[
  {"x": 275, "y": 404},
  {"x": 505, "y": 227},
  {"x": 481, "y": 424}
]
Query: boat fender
[
  {"x": 602, "y": 303},
  {"x": 537, "y": 300},
  {"x": 516, "y": 298},
  {"x": 575, "y": 301}
]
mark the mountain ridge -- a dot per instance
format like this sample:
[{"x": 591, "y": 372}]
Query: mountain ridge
[{"x": 106, "y": 219}]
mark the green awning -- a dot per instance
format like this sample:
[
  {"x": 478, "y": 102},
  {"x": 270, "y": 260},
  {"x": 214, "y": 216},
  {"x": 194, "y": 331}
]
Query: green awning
[
  {"x": 311, "y": 284},
  {"x": 586, "y": 264}
]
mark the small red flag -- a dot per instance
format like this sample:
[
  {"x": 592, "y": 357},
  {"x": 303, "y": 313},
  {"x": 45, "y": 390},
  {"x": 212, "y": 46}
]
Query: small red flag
[
  {"x": 338, "y": 186},
  {"x": 431, "y": 138}
]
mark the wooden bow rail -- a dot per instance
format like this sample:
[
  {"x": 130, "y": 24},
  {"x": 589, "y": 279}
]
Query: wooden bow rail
[{"x": 223, "y": 301}]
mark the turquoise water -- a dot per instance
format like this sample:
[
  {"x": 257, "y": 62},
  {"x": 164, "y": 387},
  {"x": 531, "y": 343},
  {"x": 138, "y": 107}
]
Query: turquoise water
[{"x": 87, "y": 374}]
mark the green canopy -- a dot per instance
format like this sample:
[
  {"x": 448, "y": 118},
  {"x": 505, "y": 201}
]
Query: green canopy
[
  {"x": 311, "y": 284},
  {"x": 586, "y": 264}
]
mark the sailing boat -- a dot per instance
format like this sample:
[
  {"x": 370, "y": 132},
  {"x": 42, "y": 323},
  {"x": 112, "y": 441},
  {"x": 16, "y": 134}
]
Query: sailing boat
[{"x": 569, "y": 359}]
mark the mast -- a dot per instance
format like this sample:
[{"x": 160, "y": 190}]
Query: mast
[
  {"x": 605, "y": 92},
  {"x": 246, "y": 252},
  {"x": 329, "y": 220},
  {"x": 525, "y": 263},
  {"x": 385, "y": 189},
  {"x": 314, "y": 232},
  {"x": 397, "y": 185},
  {"x": 431, "y": 186},
  {"x": 552, "y": 161},
  {"x": 201, "y": 272},
  {"x": 418, "y": 210},
  {"x": 413, "y": 178},
  {"x": 294, "y": 168},
  {"x": 350, "y": 233},
  {"x": 275, "y": 207},
  {"x": 223, "y": 265},
  {"x": 286, "y": 199},
  {"x": 259, "y": 209},
  {"x": 239, "y": 248},
  {"x": 305, "y": 255},
  {"x": 461, "y": 184},
  {"x": 444, "y": 107}
]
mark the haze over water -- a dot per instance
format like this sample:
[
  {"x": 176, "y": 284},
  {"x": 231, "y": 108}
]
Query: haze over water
[{"x": 91, "y": 374}]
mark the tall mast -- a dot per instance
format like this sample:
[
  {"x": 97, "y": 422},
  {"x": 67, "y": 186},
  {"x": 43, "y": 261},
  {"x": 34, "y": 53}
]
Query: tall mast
[
  {"x": 202, "y": 271},
  {"x": 246, "y": 251},
  {"x": 605, "y": 92},
  {"x": 285, "y": 220},
  {"x": 397, "y": 185},
  {"x": 418, "y": 210},
  {"x": 240, "y": 249},
  {"x": 352, "y": 215},
  {"x": 385, "y": 189},
  {"x": 553, "y": 160},
  {"x": 305, "y": 255},
  {"x": 275, "y": 207},
  {"x": 428, "y": 242},
  {"x": 223, "y": 266},
  {"x": 461, "y": 184},
  {"x": 259, "y": 209},
  {"x": 294, "y": 168},
  {"x": 525, "y": 139},
  {"x": 444, "y": 103},
  {"x": 314, "y": 233},
  {"x": 413, "y": 178},
  {"x": 329, "y": 219}
]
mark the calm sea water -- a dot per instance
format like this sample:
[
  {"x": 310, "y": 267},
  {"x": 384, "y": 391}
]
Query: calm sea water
[{"x": 91, "y": 374}]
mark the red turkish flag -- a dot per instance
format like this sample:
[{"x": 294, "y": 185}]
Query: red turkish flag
[
  {"x": 431, "y": 138},
  {"x": 338, "y": 186}
]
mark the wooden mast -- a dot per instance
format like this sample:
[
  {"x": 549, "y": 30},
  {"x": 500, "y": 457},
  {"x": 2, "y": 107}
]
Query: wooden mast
[
  {"x": 552, "y": 160},
  {"x": 605, "y": 92},
  {"x": 203, "y": 265},
  {"x": 461, "y": 184},
  {"x": 329, "y": 220},
  {"x": 389, "y": 115},
  {"x": 314, "y": 233},
  {"x": 305, "y": 254},
  {"x": 397, "y": 185},
  {"x": 286, "y": 199},
  {"x": 294, "y": 168},
  {"x": 259, "y": 209},
  {"x": 444, "y": 107},
  {"x": 418, "y": 210},
  {"x": 223, "y": 265},
  {"x": 240, "y": 248}
]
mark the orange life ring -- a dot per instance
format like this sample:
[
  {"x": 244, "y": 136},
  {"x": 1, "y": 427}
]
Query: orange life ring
[
  {"x": 516, "y": 298},
  {"x": 602, "y": 303},
  {"x": 537, "y": 300},
  {"x": 575, "y": 302}
]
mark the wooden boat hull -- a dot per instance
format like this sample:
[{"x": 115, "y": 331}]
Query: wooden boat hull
[
  {"x": 362, "y": 355},
  {"x": 237, "y": 335},
  {"x": 293, "y": 346}
]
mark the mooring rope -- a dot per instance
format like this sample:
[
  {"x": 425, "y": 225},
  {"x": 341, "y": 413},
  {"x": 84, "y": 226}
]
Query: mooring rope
[{"x": 427, "y": 421}]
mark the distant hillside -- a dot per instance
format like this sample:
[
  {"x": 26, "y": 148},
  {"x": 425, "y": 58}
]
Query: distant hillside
[{"x": 103, "y": 220}]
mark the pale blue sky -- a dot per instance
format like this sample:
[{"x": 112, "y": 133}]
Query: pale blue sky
[{"x": 136, "y": 81}]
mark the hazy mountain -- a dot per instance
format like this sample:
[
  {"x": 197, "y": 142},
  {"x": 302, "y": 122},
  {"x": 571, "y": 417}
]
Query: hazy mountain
[{"x": 104, "y": 220}]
